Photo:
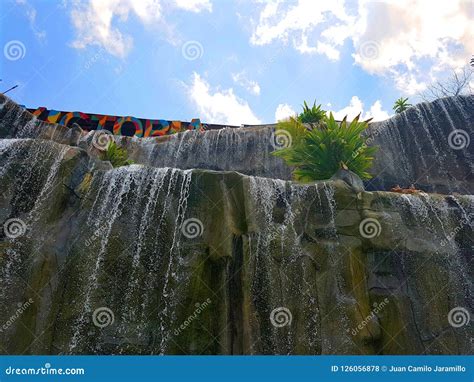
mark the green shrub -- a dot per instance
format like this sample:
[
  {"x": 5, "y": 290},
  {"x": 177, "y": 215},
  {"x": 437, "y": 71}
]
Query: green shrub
[
  {"x": 312, "y": 115},
  {"x": 401, "y": 104},
  {"x": 116, "y": 155},
  {"x": 319, "y": 153}
]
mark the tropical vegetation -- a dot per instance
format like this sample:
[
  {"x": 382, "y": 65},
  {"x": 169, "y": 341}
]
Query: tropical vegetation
[
  {"x": 318, "y": 153},
  {"x": 401, "y": 104},
  {"x": 311, "y": 115},
  {"x": 116, "y": 155}
]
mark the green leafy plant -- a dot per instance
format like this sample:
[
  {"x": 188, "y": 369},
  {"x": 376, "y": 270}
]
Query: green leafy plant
[
  {"x": 319, "y": 153},
  {"x": 116, "y": 155},
  {"x": 401, "y": 104},
  {"x": 312, "y": 115}
]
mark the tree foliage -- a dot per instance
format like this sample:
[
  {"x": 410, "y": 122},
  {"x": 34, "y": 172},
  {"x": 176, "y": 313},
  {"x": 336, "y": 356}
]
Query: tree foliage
[
  {"x": 318, "y": 153},
  {"x": 311, "y": 115},
  {"x": 401, "y": 105}
]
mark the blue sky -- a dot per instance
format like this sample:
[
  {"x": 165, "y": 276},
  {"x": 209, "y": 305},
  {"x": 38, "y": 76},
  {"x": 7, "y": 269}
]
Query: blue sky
[{"x": 228, "y": 62}]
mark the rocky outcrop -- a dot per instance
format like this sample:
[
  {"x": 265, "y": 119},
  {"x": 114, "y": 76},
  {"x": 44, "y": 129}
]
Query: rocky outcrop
[
  {"x": 427, "y": 146},
  {"x": 246, "y": 150},
  {"x": 170, "y": 257},
  {"x": 145, "y": 260}
]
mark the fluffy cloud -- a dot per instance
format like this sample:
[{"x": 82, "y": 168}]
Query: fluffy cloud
[
  {"x": 297, "y": 23},
  {"x": 96, "y": 22},
  {"x": 194, "y": 5},
  {"x": 242, "y": 80},
  {"x": 283, "y": 111},
  {"x": 411, "y": 42},
  {"x": 356, "y": 107},
  {"x": 219, "y": 106}
]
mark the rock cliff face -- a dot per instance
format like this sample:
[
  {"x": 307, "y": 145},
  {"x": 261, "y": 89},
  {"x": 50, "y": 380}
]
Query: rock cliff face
[
  {"x": 148, "y": 259},
  {"x": 428, "y": 146}
]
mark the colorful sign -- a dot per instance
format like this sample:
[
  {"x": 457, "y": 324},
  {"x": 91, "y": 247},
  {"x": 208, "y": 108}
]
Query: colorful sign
[{"x": 128, "y": 126}]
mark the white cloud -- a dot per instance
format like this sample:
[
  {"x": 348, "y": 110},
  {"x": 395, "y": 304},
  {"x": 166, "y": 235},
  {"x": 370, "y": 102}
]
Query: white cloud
[
  {"x": 414, "y": 41},
  {"x": 219, "y": 106},
  {"x": 31, "y": 15},
  {"x": 96, "y": 22},
  {"x": 356, "y": 107},
  {"x": 283, "y": 111},
  {"x": 297, "y": 23},
  {"x": 194, "y": 5},
  {"x": 242, "y": 80},
  {"x": 411, "y": 42},
  {"x": 376, "y": 112}
]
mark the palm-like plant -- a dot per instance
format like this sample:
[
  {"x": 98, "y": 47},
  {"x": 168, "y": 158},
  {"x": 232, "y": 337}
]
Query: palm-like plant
[
  {"x": 401, "y": 104},
  {"x": 319, "y": 153},
  {"x": 311, "y": 115},
  {"x": 116, "y": 155}
]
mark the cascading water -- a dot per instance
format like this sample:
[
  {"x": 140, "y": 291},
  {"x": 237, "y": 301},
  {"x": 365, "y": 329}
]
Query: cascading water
[
  {"x": 102, "y": 220},
  {"x": 427, "y": 145},
  {"x": 277, "y": 253},
  {"x": 150, "y": 219},
  {"x": 283, "y": 267},
  {"x": 17, "y": 155},
  {"x": 435, "y": 216},
  {"x": 247, "y": 150}
]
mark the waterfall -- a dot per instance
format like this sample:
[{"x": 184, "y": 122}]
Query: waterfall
[
  {"x": 7, "y": 150},
  {"x": 269, "y": 195},
  {"x": 146, "y": 198},
  {"x": 447, "y": 105},
  {"x": 427, "y": 145},
  {"x": 247, "y": 150},
  {"x": 277, "y": 254},
  {"x": 413, "y": 146},
  {"x": 19, "y": 154},
  {"x": 434, "y": 215},
  {"x": 119, "y": 179},
  {"x": 112, "y": 238},
  {"x": 466, "y": 217},
  {"x": 171, "y": 270}
]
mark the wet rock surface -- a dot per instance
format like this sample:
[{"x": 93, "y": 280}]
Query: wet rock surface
[
  {"x": 427, "y": 146},
  {"x": 158, "y": 260}
]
